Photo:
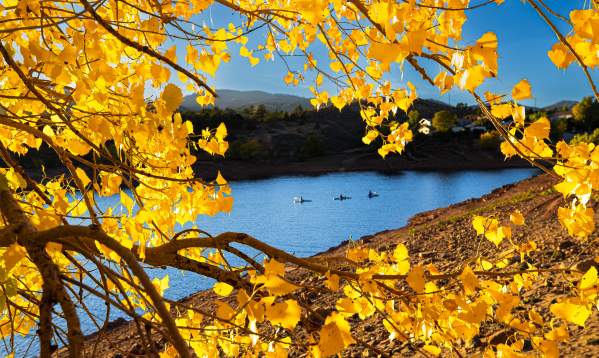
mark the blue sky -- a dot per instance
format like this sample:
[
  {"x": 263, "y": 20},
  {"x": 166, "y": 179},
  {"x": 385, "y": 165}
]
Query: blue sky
[{"x": 524, "y": 40}]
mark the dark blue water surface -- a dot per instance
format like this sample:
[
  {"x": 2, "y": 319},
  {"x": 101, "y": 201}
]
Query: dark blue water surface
[{"x": 265, "y": 210}]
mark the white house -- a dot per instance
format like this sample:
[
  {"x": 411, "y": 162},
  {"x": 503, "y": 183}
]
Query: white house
[{"x": 424, "y": 126}]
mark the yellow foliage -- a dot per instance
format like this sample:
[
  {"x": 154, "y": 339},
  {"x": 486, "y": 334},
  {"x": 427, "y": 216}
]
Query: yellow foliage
[
  {"x": 222, "y": 289},
  {"x": 286, "y": 314},
  {"x": 578, "y": 220},
  {"x": 335, "y": 335},
  {"x": 491, "y": 229},
  {"x": 517, "y": 218},
  {"x": 522, "y": 90},
  {"x": 95, "y": 85},
  {"x": 571, "y": 312},
  {"x": 11, "y": 257}
]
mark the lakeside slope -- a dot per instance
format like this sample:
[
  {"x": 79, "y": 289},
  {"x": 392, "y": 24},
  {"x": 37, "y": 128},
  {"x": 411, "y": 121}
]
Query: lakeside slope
[
  {"x": 444, "y": 237},
  {"x": 436, "y": 156}
]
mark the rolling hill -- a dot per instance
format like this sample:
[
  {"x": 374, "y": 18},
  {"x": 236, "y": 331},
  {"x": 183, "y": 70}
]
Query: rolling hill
[
  {"x": 239, "y": 100},
  {"x": 559, "y": 105}
]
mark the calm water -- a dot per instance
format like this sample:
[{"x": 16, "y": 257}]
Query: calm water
[{"x": 265, "y": 209}]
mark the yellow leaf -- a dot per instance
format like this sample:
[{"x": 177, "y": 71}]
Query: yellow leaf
[
  {"x": 444, "y": 81},
  {"x": 224, "y": 311},
  {"x": 475, "y": 313},
  {"x": 255, "y": 310},
  {"x": 566, "y": 187},
  {"x": 286, "y": 314},
  {"x": 385, "y": 52},
  {"x": 335, "y": 335},
  {"x": 370, "y": 136},
  {"x": 539, "y": 129},
  {"x": 578, "y": 220},
  {"x": 332, "y": 282},
  {"x": 319, "y": 78},
  {"x": 517, "y": 218},
  {"x": 589, "y": 279},
  {"x": 415, "y": 40},
  {"x": 535, "y": 317},
  {"x": 560, "y": 55},
  {"x": 254, "y": 60},
  {"x": 401, "y": 257},
  {"x": 491, "y": 229},
  {"x": 469, "y": 280},
  {"x": 127, "y": 202},
  {"x": 522, "y": 90},
  {"x": 416, "y": 279},
  {"x": 274, "y": 267},
  {"x": 169, "y": 352},
  {"x": 12, "y": 256},
  {"x": 189, "y": 127},
  {"x": 471, "y": 78},
  {"x": 244, "y": 52},
  {"x": 434, "y": 350},
  {"x": 501, "y": 111},
  {"x": 312, "y": 11},
  {"x": 519, "y": 115},
  {"x": 571, "y": 312},
  {"x": 486, "y": 265},
  {"x": 221, "y": 132},
  {"x": 172, "y": 97},
  {"x": 273, "y": 279},
  {"x": 110, "y": 183},
  {"x": 161, "y": 284},
  {"x": 485, "y": 50},
  {"x": 480, "y": 224},
  {"x": 348, "y": 306},
  {"x": 550, "y": 349},
  {"x": 400, "y": 253},
  {"x": 82, "y": 176},
  {"x": 222, "y": 289},
  {"x": 278, "y": 286}
]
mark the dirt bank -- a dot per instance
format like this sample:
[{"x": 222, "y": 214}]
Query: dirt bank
[{"x": 438, "y": 159}]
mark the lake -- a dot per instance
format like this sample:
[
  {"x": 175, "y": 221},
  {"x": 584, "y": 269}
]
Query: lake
[{"x": 265, "y": 210}]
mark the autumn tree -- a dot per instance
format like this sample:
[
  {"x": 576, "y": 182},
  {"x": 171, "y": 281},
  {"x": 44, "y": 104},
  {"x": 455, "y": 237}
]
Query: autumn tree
[
  {"x": 586, "y": 113},
  {"x": 95, "y": 82}
]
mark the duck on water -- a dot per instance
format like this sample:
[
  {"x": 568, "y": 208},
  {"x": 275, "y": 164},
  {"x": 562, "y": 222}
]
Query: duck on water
[
  {"x": 342, "y": 197},
  {"x": 301, "y": 200}
]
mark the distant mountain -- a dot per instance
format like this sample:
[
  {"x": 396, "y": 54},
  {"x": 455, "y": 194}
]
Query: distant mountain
[
  {"x": 438, "y": 102},
  {"x": 238, "y": 100},
  {"x": 559, "y": 105}
]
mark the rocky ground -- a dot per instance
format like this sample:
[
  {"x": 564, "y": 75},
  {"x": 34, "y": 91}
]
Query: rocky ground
[{"x": 446, "y": 238}]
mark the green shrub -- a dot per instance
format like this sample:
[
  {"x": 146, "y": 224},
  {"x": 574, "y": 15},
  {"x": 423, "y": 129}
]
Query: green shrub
[
  {"x": 592, "y": 137},
  {"x": 312, "y": 147},
  {"x": 249, "y": 149},
  {"x": 443, "y": 121},
  {"x": 489, "y": 140}
]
